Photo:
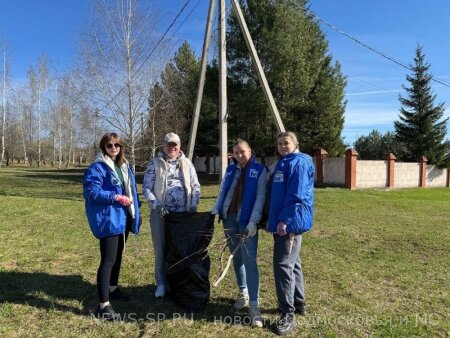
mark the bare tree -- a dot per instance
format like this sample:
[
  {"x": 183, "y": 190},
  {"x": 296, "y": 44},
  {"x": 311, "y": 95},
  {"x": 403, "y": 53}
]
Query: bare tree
[
  {"x": 122, "y": 58},
  {"x": 62, "y": 117},
  {"x": 159, "y": 121},
  {"x": 39, "y": 81},
  {"x": 57, "y": 113},
  {"x": 20, "y": 101},
  {"x": 66, "y": 87},
  {"x": 5, "y": 82}
]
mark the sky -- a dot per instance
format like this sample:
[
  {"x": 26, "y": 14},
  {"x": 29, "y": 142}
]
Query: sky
[{"x": 394, "y": 28}]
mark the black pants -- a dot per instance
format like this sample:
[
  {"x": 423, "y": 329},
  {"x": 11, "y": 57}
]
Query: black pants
[{"x": 111, "y": 249}]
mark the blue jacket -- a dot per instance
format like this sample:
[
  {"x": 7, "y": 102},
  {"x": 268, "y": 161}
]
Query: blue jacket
[
  {"x": 292, "y": 194},
  {"x": 253, "y": 194},
  {"x": 107, "y": 217}
]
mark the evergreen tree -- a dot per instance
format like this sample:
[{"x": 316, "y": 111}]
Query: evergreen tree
[
  {"x": 172, "y": 104},
  {"x": 420, "y": 126},
  {"x": 172, "y": 99},
  {"x": 307, "y": 86},
  {"x": 207, "y": 140},
  {"x": 179, "y": 81},
  {"x": 376, "y": 146}
]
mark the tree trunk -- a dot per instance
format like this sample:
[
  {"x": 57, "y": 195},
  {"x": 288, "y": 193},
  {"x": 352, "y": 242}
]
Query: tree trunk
[
  {"x": 4, "y": 108},
  {"x": 23, "y": 143},
  {"x": 60, "y": 140},
  {"x": 54, "y": 149},
  {"x": 39, "y": 131}
]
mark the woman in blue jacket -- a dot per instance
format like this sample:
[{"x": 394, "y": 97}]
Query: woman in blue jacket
[
  {"x": 112, "y": 209},
  {"x": 240, "y": 204},
  {"x": 291, "y": 209}
]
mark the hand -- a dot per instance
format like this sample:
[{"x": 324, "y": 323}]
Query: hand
[
  {"x": 251, "y": 229},
  {"x": 155, "y": 205},
  {"x": 281, "y": 229},
  {"x": 123, "y": 200},
  {"x": 163, "y": 212}
]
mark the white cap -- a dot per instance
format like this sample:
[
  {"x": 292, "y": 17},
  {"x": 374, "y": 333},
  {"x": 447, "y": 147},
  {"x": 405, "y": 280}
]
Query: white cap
[{"x": 171, "y": 138}]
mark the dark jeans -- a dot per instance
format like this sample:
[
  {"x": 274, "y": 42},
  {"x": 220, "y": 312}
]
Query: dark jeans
[
  {"x": 111, "y": 249},
  {"x": 288, "y": 272}
]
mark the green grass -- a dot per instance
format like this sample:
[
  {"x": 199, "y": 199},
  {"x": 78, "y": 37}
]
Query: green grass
[{"x": 376, "y": 264}]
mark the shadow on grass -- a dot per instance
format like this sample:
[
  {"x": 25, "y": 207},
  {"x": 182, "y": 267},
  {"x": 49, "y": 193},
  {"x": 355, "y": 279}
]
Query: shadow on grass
[
  {"x": 75, "y": 175},
  {"x": 43, "y": 290},
  {"x": 60, "y": 194},
  {"x": 69, "y": 179},
  {"x": 208, "y": 179},
  {"x": 144, "y": 307},
  {"x": 68, "y": 175},
  {"x": 46, "y": 291},
  {"x": 56, "y": 171}
]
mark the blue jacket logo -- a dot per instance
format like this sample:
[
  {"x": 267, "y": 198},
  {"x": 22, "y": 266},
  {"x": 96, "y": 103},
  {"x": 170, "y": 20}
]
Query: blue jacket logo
[
  {"x": 115, "y": 181},
  {"x": 253, "y": 173},
  {"x": 278, "y": 178}
]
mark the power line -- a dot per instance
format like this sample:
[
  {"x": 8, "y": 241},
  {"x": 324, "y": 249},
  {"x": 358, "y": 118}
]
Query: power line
[
  {"x": 184, "y": 21},
  {"x": 169, "y": 51},
  {"x": 162, "y": 37},
  {"x": 362, "y": 43}
]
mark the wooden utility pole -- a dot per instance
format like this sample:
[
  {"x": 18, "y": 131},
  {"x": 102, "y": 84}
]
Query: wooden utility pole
[
  {"x": 259, "y": 70},
  {"x": 201, "y": 83},
  {"x": 223, "y": 136}
]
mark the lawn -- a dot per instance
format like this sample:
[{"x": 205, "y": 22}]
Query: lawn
[{"x": 376, "y": 264}]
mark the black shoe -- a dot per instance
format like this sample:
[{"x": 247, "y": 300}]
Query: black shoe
[
  {"x": 285, "y": 324},
  {"x": 107, "y": 313},
  {"x": 119, "y": 295},
  {"x": 300, "y": 309}
]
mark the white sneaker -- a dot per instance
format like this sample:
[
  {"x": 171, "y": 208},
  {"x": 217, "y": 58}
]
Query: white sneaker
[
  {"x": 242, "y": 301},
  {"x": 255, "y": 316},
  {"x": 160, "y": 291}
]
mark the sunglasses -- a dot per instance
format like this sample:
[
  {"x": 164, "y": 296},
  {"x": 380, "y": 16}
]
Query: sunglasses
[{"x": 115, "y": 145}]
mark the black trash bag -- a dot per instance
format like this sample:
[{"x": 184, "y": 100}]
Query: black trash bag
[{"x": 187, "y": 261}]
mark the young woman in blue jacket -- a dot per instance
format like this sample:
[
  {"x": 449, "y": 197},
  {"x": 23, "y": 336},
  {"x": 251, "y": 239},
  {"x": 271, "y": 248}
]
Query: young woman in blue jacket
[
  {"x": 240, "y": 204},
  {"x": 112, "y": 209},
  {"x": 291, "y": 209}
]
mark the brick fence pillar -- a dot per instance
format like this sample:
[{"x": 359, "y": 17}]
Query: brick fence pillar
[
  {"x": 423, "y": 171},
  {"x": 320, "y": 155},
  {"x": 448, "y": 177},
  {"x": 391, "y": 172},
  {"x": 350, "y": 168}
]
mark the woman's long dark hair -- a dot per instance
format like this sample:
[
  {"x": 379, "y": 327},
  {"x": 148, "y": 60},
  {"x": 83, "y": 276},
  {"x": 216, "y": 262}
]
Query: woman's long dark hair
[{"x": 113, "y": 138}]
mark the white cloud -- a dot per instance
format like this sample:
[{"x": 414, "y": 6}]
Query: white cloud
[
  {"x": 374, "y": 92},
  {"x": 369, "y": 116}
]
